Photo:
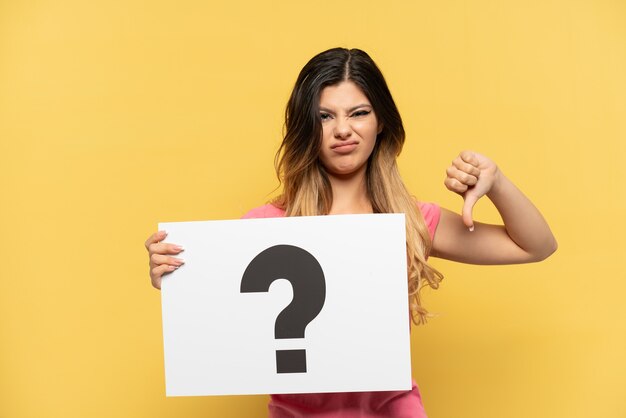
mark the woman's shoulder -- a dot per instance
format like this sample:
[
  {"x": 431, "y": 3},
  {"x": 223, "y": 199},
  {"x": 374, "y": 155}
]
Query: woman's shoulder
[
  {"x": 265, "y": 211},
  {"x": 431, "y": 212}
]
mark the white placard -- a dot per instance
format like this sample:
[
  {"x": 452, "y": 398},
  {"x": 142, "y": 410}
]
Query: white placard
[{"x": 219, "y": 340}]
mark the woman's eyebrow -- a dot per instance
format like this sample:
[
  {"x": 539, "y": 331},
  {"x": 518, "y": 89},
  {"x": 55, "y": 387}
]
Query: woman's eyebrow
[{"x": 349, "y": 110}]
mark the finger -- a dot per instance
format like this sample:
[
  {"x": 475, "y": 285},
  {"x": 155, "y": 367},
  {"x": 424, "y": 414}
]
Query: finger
[
  {"x": 454, "y": 185},
  {"x": 470, "y": 200},
  {"x": 466, "y": 167},
  {"x": 462, "y": 176},
  {"x": 469, "y": 157},
  {"x": 158, "y": 259},
  {"x": 156, "y": 237},
  {"x": 157, "y": 273},
  {"x": 164, "y": 248}
]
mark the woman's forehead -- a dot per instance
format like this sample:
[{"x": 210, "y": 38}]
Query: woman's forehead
[{"x": 345, "y": 95}]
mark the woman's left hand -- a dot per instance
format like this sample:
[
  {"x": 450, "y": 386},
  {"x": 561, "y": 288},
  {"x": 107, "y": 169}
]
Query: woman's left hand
[{"x": 471, "y": 175}]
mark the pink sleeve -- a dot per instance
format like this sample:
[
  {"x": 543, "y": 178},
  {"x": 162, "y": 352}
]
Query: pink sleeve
[
  {"x": 431, "y": 213},
  {"x": 265, "y": 211}
]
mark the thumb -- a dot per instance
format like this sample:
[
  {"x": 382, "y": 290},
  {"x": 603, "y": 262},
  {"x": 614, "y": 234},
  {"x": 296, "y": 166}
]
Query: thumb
[{"x": 470, "y": 200}]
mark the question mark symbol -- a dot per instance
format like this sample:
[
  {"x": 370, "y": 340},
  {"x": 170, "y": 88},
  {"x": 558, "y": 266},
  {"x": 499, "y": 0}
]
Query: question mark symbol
[{"x": 309, "y": 293}]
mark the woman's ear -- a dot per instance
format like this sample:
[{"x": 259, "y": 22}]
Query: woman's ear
[{"x": 380, "y": 128}]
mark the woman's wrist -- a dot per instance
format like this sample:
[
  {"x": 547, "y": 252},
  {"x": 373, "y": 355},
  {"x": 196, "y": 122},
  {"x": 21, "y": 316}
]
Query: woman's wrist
[{"x": 498, "y": 186}]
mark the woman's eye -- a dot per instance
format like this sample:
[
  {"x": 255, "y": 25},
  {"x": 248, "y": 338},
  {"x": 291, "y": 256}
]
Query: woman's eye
[
  {"x": 324, "y": 116},
  {"x": 361, "y": 113}
]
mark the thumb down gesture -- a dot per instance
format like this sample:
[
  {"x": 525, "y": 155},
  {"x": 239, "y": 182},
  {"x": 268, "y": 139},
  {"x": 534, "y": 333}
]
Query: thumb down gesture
[{"x": 472, "y": 176}]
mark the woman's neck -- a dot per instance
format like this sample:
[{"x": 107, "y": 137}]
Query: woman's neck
[{"x": 350, "y": 194}]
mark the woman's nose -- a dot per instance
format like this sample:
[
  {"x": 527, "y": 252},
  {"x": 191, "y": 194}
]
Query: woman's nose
[{"x": 342, "y": 128}]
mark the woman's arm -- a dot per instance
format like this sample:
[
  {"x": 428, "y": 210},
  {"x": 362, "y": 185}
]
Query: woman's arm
[{"x": 525, "y": 236}]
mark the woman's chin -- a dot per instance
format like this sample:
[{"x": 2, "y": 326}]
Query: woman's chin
[{"x": 345, "y": 171}]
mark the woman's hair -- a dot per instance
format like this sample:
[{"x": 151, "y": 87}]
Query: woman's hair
[{"x": 306, "y": 187}]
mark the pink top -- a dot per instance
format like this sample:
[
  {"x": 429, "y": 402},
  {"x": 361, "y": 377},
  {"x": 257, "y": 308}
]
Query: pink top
[{"x": 396, "y": 404}]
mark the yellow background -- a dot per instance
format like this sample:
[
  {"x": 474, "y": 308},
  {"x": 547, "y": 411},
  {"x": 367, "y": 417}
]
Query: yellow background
[{"x": 115, "y": 115}]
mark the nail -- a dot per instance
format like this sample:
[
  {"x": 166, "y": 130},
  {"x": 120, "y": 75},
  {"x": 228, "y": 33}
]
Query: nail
[
  {"x": 172, "y": 268},
  {"x": 178, "y": 248},
  {"x": 179, "y": 260},
  {"x": 471, "y": 228}
]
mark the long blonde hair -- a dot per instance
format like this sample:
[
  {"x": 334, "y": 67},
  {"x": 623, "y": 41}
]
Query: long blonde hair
[{"x": 306, "y": 187}]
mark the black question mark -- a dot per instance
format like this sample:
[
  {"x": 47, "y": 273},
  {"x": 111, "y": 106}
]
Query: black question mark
[{"x": 309, "y": 293}]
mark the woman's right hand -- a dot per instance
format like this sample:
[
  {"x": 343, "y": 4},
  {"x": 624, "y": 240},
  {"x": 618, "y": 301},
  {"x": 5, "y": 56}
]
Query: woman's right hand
[{"x": 160, "y": 260}]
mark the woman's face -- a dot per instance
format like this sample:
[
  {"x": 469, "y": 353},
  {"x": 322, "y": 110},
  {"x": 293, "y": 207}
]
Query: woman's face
[{"x": 349, "y": 129}]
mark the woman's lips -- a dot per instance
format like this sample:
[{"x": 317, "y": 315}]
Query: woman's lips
[{"x": 344, "y": 148}]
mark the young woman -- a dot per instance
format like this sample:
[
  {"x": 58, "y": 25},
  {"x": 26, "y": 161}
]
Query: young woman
[{"x": 338, "y": 156}]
